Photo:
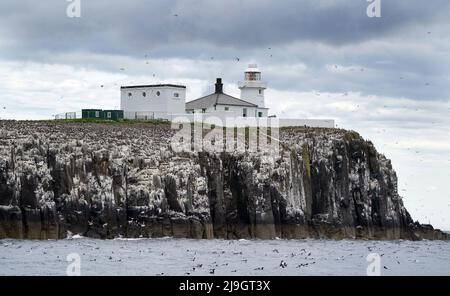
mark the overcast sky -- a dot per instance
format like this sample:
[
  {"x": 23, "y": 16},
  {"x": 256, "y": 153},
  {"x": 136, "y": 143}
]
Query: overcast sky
[{"x": 387, "y": 78}]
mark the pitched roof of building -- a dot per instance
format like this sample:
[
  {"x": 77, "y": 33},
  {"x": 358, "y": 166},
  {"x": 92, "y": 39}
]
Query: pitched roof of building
[{"x": 217, "y": 99}]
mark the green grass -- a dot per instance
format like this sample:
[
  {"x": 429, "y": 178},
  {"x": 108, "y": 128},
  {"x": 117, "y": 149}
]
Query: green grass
[{"x": 351, "y": 135}]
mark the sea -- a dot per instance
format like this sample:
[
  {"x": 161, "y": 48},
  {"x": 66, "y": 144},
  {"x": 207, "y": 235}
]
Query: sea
[{"x": 188, "y": 257}]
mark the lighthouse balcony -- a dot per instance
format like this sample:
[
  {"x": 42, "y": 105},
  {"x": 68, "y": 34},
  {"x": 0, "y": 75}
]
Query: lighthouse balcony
[{"x": 256, "y": 83}]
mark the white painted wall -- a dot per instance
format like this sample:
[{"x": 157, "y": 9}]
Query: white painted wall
[
  {"x": 231, "y": 120},
  {"x": 233, "y": 111},
  {"x": 250, "y": 92},
  {"x": 160, "y": 106},
  {"x": 324, "y": 123}
]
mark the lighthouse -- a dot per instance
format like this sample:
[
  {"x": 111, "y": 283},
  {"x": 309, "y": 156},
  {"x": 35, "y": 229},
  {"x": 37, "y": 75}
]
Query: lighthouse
[{"x": 252, "y": 88}]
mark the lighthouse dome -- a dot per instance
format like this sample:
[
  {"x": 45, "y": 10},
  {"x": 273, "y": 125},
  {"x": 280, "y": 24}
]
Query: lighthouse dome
[{"x": 253, "y": 68}]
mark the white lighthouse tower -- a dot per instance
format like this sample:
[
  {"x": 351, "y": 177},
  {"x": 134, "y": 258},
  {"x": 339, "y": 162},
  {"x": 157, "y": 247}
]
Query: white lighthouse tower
[{"x": 252, "y": 88}]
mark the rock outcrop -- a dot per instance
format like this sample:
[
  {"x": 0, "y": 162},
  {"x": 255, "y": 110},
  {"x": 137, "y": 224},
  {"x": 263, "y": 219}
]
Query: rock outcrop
[{"x": 110, "y": 180}]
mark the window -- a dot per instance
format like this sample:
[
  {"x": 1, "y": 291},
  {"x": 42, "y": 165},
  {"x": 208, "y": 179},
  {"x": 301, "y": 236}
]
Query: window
[
  {"x": 108, "y": 115},
  {"x": 244, "y": 112},
  {"x": 259, "y": 114},
  {"x": 203, "y": 110},
  {"x": 260, "y": 91},
  {"x": 97, "y": 113},
  {"x": 176, "y": 95},
  {"x": 130, "y": 94},
  {"x": 144, "y": 94},
  {"x": 252, "y": 76},
  {"x": 158, "y": 93},
  {"x": 227, "y": 108}
]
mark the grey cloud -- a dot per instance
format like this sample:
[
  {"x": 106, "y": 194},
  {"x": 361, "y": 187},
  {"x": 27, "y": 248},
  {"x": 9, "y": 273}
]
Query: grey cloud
[
  {"x": 315, "y": 33},
  {"x": 130, "y": 27}
]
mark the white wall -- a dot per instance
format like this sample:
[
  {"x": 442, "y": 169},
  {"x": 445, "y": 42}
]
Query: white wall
[
  {"x": 252, "y": 95},
  {"x": 233, "y": 111},
  {"x": 250, "y": 92},
  {"x": 228, "y": 119},
  {"x": 325, "y": 123},
  {"x": 165, "y": 103},
  {"x": 148, "y": 115}
]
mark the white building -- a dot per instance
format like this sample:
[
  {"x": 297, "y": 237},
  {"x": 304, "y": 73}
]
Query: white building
[
  {"x": 220, "y": 104},
  {"x": 168, "y": 101},
  {"x": 158, "y": 101}
]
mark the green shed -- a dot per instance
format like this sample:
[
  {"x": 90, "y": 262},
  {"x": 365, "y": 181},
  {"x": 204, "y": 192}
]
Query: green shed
[
  {"x": 113, "y": 114},
  {"x": 92, "y": 113},
  {"x": 102, "y": 114}
]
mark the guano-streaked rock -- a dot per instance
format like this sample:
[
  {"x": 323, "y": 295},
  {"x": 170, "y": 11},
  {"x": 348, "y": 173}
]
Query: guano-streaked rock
[{"x": 110, "y": 180}]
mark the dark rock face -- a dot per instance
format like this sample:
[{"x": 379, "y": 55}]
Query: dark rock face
[{"x": 110, "y": 180}]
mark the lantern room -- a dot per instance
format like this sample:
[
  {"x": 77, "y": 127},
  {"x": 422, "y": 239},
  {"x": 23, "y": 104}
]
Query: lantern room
[
  {"x": 252, "y": 88},
  {"x": 252, "y": 73}
]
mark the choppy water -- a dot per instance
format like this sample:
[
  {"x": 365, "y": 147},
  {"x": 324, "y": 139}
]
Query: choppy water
[{"x": 257, "y": 257}]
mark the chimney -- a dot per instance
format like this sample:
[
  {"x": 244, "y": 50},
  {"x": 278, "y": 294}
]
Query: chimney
[{"x": 219, "y": 86}]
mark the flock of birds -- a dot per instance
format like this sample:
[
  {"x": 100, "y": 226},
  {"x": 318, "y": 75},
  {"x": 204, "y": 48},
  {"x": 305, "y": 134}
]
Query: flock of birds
[
  {"x": 147, "y": 62},
  {"x": 283, "y": 264},
  {"x": 211, "y": 268},
  {"x": 225, "y": 258},
  {"x": 238, "y": 59}
]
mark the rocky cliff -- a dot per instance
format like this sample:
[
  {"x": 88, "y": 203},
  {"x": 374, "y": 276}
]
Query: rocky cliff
[{"x": 110, "y": 180}]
